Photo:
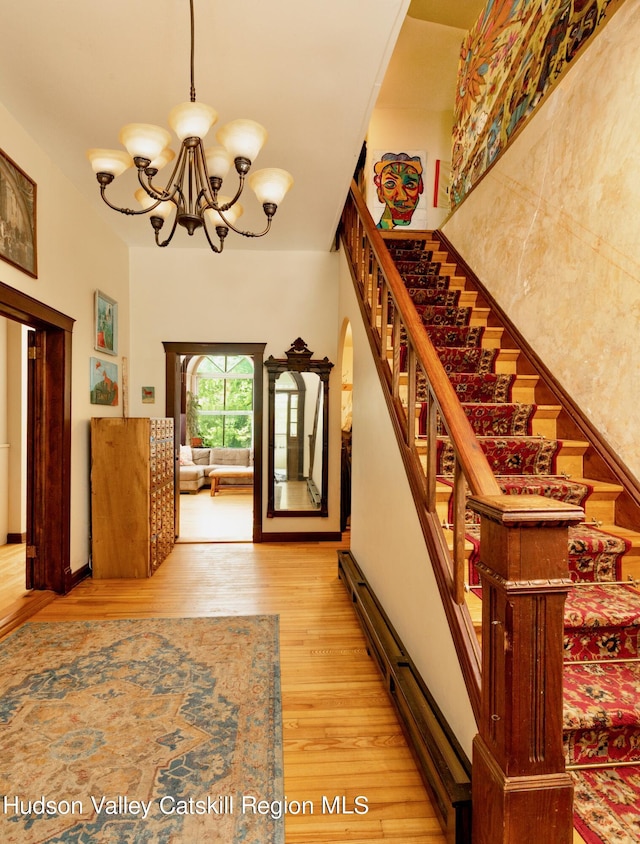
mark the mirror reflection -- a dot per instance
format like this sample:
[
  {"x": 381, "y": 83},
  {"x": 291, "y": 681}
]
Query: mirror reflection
[
  {"x": 297, "y": 439},
  {"x": 298, "y": 433}
]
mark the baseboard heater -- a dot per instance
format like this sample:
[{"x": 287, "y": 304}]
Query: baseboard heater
[{"x": 444, "y": 767}]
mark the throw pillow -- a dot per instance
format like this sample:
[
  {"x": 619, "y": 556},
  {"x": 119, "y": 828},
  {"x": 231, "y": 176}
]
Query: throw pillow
[{"x": 185, "y": 458}]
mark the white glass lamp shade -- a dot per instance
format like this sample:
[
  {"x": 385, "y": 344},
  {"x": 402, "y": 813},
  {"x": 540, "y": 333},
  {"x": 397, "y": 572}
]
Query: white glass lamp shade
[
  {"x": 163, "y": 210},
  {"x": 144, "y": 140},
  {"x": 113, "y": 161},
  {"x": 231, "y": 214},
  {"x": 270, "y": 184},
  {"x": 218, "y": 161},
  {"x": 242, "y": 138},
  {"x": 163, "y": 159},
  {"x": 192, "y": 120}
]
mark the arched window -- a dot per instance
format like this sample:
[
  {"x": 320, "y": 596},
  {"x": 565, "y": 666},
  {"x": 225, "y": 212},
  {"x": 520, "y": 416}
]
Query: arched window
[{"x": 223, "y": 385}]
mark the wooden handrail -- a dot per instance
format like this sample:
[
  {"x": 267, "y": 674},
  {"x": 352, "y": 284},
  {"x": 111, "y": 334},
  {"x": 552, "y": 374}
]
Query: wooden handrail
[
  {"x": 516, "y": 695},
  {"x": 472, "y": 459}
]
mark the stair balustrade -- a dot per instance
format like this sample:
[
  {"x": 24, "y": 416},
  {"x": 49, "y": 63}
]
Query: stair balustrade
[{"x": 515, "y": 684}]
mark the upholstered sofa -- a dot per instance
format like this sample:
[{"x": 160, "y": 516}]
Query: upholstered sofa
[{"x": 197, "y": 463}]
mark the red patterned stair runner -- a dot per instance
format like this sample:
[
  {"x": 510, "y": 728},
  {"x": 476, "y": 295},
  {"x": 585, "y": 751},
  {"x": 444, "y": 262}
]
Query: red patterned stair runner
[{"x": 602, "y": 617}]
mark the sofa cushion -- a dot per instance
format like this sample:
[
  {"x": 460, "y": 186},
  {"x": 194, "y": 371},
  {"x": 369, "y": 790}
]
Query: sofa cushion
[
  {"x": 231, "y": 456},
  {"x": 191, "y": 473},
  {"x": 201, "y": 456}
]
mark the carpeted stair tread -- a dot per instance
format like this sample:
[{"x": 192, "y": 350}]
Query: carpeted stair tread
[
  {"x": 507, "y": 455},
  {"x": 456, "y": 338},
  {"x": 592, "y": 554},
  {"x": 605, "y": 804},
  {"x": 505, "y": 419},
  {"x": 468, "y": 359},
  {"x": 602, "y": 693},
  {"x": 441, "y": 315},
  {"x": 601, "y": 712},
  {"x": 429, "y": 296},
  {"x": 595, "y": 555},
  {"x": 471, "y": 387},
  {"x": 428, "y": 281},
  {"x": 602, "y": 622}
]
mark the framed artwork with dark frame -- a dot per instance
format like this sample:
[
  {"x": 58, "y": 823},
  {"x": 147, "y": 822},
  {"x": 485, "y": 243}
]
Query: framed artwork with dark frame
[
  {"x": 106, "y": 324},
  {"x": 17, "y": 217}
]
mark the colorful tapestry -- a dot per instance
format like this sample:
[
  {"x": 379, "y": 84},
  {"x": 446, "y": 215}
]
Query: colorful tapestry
[
  {"x": 142, "y": 730},
  {"x": 509, "y": 61}
]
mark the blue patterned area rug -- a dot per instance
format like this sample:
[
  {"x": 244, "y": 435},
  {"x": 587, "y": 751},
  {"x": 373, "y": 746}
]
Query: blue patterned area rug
[{"x": 145, "y": 731}]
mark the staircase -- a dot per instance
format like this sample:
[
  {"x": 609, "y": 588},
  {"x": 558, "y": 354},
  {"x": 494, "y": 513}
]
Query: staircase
[{"x": 534, "y": 446}]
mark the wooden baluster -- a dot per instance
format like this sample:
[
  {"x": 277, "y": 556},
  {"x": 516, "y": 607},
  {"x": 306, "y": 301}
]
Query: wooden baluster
[
  {"x": 411, "y": 395},
  {"x": 395, "y": 339},
  {"x": 459, "y": 509},
  {"x": 432, "y": 455},
  {"x": 521, "y": 791},
  {"x": 384, "y": 319}
]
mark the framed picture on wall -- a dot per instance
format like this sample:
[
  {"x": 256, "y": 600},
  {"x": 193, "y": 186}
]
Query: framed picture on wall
[
  {"x": 17, "y": 217},
  {"x": 106, "y": 324},
  {"x": 103, "y": 381},
  {"x": 442, "y": 185}
]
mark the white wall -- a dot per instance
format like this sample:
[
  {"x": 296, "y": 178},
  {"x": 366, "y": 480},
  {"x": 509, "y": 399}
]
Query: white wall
[
  {"x": 77, "y": 253},
  {"x": 189, "y": 295},
  {"x": 553, "y": 231},
  {"x": 386, "y": 538}
]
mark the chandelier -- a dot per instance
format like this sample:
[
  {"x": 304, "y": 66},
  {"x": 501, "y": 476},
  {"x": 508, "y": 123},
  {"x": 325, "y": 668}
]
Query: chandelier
[{"x": 192, "y": 193}]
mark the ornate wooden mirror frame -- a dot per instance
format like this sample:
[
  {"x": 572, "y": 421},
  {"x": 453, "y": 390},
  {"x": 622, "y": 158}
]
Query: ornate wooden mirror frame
[{"x": 298, "y": 361}]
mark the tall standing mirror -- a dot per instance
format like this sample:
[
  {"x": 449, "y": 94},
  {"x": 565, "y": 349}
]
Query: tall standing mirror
[{"x": 298, "y": 433}]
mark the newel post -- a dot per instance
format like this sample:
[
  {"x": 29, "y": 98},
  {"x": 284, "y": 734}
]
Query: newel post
[{"x": 520, "y": 788}]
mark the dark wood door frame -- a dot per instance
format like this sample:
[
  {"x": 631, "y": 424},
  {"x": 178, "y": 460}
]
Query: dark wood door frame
[
  {"x": 49, "y": 439},
  {"x": 173, "y": 353}
]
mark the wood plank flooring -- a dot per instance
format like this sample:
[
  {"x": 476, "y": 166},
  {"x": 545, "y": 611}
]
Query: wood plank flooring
[
  {"x": 225, "y": 517},
  {"x": 341, "y": 735}
]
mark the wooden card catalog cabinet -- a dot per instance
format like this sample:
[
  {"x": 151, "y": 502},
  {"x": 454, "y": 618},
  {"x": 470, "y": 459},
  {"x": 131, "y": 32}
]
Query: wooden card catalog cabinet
[{"x": 132, "y": 500}]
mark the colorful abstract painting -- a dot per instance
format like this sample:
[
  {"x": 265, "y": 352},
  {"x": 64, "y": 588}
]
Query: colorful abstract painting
[
  {"x": 509, "y": 61},
  {"x": 396, "y": 189}
]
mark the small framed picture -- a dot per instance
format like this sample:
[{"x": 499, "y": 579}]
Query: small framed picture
[
  {"x": 17, "y": 217},
  {"x": 148, "y": 395},
  {"x": 106, "y": 324},
  {"x": 103, "y": 380}
]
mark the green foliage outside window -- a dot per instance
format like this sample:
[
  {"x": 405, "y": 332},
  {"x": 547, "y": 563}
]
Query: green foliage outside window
[{"x": 225, "y": 394}]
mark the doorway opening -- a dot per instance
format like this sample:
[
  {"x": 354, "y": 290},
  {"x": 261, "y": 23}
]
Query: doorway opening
[
  {"x": 215, "y": 395},
  {"x": 41, "y": 477}
]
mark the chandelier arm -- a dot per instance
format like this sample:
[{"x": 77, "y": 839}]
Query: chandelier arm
[
  {"x": 243, "y": 233},
  {"x": 128, "y": 211},
  {"x": 228, "y": 205},
  {"x": 171, "y": 233}
]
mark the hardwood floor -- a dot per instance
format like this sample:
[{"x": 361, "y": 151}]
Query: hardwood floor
[
  {"x": 341, "y": 735},
  {"x": 225, "y": 517},
  {"x": 12, "y": 573}
]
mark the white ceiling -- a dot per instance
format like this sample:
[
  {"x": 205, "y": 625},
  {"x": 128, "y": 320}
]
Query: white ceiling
[{"x": 72, "y": 72}]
